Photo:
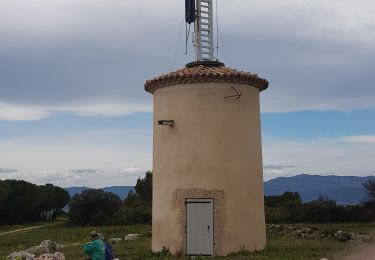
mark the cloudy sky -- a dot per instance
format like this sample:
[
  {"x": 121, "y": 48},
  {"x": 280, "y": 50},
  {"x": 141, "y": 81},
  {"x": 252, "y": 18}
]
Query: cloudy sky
[{"x": 73, "y": 111}]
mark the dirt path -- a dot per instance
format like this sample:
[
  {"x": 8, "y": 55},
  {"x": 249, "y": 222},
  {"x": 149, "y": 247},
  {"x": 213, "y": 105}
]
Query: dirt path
[
  {"x": 362, "y": 252},
  {"x": 23, "y": 230}
]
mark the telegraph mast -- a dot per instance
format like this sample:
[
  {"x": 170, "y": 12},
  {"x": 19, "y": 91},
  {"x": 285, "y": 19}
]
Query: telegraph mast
[{"x": 200, "y": 12}]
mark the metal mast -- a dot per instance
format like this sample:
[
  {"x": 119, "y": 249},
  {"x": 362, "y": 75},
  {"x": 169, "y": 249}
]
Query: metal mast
[{"x": 204, "y": 38}]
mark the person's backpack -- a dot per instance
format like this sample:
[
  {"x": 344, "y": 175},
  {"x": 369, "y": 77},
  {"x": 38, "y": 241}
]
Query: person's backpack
[{"x": 109, "y": 255}]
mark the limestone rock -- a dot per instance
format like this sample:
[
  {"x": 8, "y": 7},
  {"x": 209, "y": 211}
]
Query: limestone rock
[
  {"x": 47, "y": 246},
  {"x": 55, "y": 256},
  {"x": 341, "y": 236},
  {"x": 46, "y": 249},
  {"x": 114, "y": 240},
  {"x": 317, "y": 233},
  {"x": 130, "y": 237},
  {"x": 20, "y": 256},
  {"x": 50, "y": 245},
  {"x": 37, "y": 250}
]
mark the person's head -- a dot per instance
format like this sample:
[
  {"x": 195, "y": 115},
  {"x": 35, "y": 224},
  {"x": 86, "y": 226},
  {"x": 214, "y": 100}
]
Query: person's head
[
  {"x": 93, "y": 235},
  {"x": 101, "y": 237}
]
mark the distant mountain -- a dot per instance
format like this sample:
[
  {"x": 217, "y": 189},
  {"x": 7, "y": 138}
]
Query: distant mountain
[
  {"x": 342, "y": 189},
  {"x": 74, "y": 190},
  {"x": 121, "y": 191}
]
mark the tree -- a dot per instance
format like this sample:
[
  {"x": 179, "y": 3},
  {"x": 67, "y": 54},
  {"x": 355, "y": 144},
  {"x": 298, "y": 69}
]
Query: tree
[
  {"x": 322, "y": 210},
  {"x": 94, "y": 207},
  {"x": 283, "y": 208},
  {"x": 4, "y": 190},
  {"x": 288, "y": 198},
  {"x": 370, "y": 189},
  {"x": 53, "y": 199},
  {"x": 4, "y": 193},
  {"x": 48, "y": 198},
  {"x": 22, "y": 203},
  {"x": 62, "y": 199},
  {"x": 143, "y": 188},
  {"x": 137, "y": 207}
]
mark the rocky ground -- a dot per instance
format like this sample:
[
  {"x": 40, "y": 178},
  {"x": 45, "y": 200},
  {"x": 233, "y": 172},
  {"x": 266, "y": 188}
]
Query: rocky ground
[
  {"x": 318, "y": 233},
  {"x": 49, "y": 250},
  {"x": 298, "y": 241}
]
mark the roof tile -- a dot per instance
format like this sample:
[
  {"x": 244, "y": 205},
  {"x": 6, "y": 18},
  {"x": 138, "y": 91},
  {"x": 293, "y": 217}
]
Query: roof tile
[{"x": 205, "y": 74}]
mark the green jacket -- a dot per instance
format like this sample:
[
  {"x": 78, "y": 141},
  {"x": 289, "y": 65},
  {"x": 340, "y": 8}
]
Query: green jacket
[{"x": 95, "y": 249}]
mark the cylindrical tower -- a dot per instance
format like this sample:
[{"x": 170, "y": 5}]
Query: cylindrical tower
[{"x": 207, "y": 167}]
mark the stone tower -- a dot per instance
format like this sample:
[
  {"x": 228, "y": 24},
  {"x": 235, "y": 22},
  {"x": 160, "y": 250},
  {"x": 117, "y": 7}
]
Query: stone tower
[{"x": 207, "y": 166}]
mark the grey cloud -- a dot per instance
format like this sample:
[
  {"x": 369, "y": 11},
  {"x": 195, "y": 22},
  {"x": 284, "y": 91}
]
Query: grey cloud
[
  {"x": 279, "y": 170},
  {"x": 278, "y": 167},
  {"x": 84, "y": 171},
  {"x": 56, "y": 177},
  {"x": 51, "y": 177},
  {"x": 6, "y": 170},
  {"x": 99, "y": 179},
  {"x": 314, "y": 58}
]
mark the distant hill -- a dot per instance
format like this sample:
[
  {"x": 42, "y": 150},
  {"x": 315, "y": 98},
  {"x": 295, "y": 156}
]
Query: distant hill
[
  {"x": 342, "y": 189},
  {"x": 121, "y": 191},
  {"x": 74, "y": 190}
]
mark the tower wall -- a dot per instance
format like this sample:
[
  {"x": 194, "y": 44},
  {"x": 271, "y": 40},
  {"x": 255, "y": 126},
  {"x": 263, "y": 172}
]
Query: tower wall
[{"x": 213, "y": 151}]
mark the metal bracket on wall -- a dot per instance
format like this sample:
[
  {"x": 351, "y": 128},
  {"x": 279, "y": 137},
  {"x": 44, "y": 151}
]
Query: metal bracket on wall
[
  {"x": 166, "y": 122},
  {"x": 238, "y": 94}
]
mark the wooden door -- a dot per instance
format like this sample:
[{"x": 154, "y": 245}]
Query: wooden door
[{"x": 200, "y": 227}]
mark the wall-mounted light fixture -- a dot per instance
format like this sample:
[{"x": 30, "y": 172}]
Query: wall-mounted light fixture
[{"x": 166, "y": 122}]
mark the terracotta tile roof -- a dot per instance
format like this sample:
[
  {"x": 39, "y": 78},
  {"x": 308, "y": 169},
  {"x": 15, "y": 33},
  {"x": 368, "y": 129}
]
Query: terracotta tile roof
[{"x": 205, "y": 74}]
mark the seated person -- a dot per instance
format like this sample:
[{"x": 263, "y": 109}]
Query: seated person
[
  {"x": 95, "y": 249},
  {"x": 109, "y": 255}
]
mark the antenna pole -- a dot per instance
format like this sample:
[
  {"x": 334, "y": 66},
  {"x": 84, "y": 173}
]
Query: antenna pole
[{"x": 204, "y": 37}]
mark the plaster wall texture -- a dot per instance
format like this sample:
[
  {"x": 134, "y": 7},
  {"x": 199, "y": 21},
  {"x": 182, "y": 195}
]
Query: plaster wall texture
[{"x": 213, "y": 151}]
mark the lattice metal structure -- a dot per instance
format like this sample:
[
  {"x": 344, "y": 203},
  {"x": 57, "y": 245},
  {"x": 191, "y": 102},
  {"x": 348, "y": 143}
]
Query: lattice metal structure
[{"x": 204, "y": 38}]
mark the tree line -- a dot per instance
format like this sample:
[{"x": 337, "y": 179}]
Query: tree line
[
  {"x": 289, "y": 208},
  {"x": 22, "y": 202},
  {"x": 97, "y": 207}
]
